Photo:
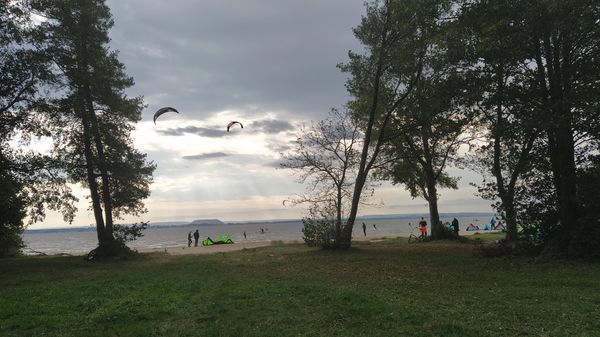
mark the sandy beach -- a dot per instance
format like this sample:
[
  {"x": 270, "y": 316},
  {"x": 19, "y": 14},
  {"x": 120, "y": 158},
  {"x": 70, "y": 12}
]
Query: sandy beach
[{"x": 200, "y": 250}]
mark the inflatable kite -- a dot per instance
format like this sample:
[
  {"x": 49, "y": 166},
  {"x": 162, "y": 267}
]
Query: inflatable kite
[
  {"x": 231, "y": 124},
  {"x": 472, "y": 227},
  {"x": 221, "y": 240},
  {"x": 500, "y": 227},
  {"x": 162, "y": 111}
]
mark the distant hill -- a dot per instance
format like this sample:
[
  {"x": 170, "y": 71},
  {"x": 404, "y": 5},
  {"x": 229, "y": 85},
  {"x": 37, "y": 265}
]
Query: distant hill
[{"x": 206, "y": 222}]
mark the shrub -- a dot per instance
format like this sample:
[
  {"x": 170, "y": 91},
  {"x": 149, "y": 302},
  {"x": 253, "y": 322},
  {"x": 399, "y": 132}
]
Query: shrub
[
  {"x": 318, "y": 232},
  {"x": 12, "y": 213},
  {"x": 118, "y": 247}
]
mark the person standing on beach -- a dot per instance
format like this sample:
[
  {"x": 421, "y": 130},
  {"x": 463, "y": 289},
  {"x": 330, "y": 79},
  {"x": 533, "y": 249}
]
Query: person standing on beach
[
  {"x": 190, "y": 239},
  {"x": 244, "y": 234},
  {"x": 196, "y": 237},
  {"x": 364, "y": 229},
  {"x": 423, "y": 227},
  {"x": 455, "y": 225}
]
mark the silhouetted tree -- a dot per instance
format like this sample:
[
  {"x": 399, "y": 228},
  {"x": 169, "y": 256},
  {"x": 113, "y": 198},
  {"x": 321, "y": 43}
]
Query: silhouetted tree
[{"x": 95, "y": 116}]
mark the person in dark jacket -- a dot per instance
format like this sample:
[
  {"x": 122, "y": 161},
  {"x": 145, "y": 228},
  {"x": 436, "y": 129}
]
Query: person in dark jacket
[
  {"x": 455, "y": 226},
  {"x": 365, "y": 229},
  {"x": 196, "y": 237}
]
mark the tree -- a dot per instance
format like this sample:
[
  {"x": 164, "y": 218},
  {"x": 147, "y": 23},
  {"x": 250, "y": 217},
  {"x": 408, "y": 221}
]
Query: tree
[
  {"x": 506, "y": 115},
  {"x": 12, "y": 213},
  {"x": 396, "y": 37},
  {"x": 94, "y": 118},
  {"x": 564, "y": 47},
  {"x": 29, "y": 182},
  {"x": 326, "y": 155},
  {"x": 543, "y": 57},
  {"x": 432, "y": 125}
]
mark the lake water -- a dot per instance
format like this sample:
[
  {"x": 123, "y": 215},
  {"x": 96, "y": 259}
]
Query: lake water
[{"x": 80, "y": 242}]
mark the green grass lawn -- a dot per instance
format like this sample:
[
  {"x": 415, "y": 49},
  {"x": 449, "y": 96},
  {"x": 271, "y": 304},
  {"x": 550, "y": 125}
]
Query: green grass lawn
[{"x": 387, "y": 288}]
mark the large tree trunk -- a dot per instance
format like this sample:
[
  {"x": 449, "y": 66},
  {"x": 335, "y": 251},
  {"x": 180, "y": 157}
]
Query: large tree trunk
[
  {"x": 434, "y": 215},
  {"x": 562, "y": 158},
  {"x": 102, "y": 165},
  {"x": 338, "y": 218},
  {"x": 89, "y": 165},
  {"x": 510, "y": 217},
  {"x": 555, "y": 82},
  {"x": 363, "y": 170}
]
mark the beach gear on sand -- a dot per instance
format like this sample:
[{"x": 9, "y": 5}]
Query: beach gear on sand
[
  {"x": 221, "y": 240},
  {"x": 500, "y": 227},
  {"x": 472, "y": 227}
]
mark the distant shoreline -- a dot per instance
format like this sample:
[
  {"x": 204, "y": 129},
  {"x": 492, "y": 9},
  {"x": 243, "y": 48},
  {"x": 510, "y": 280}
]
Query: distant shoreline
[
  {"x": 202, "y": 250},
  {"x": 253, "y": 222}
]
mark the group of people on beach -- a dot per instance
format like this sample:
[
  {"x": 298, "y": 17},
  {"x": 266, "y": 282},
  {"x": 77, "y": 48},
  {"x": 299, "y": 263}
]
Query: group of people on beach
[
  {"x": 454, "y": 227},
  {"x": 196, "y": 238},
  {"x": 364, "y": 227}
]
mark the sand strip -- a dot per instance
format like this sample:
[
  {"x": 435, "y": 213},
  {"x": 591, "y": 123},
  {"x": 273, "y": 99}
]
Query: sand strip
[{"x": 184, "y": 250}]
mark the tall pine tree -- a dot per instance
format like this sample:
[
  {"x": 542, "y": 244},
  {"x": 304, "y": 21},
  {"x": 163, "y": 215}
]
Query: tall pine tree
[{"x": 95, "y": 117}]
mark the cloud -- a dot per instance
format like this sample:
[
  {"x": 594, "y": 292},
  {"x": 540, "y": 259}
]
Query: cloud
[
  {"x": 272, "y": 126},
  {"x": 208, "y": 56},
  {"x": 206, "y": 156},
  {"x": 195, "y": 130}
]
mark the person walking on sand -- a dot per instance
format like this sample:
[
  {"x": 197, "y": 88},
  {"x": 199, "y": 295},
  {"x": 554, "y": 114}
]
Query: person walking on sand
[
  {"x": 190, "y": 239},
  {"x": 364, "y": 229},
  {"x": 196, "y": 237},
  {"x": 423, "y": 227},
  {"x": 244, "y": 234}
]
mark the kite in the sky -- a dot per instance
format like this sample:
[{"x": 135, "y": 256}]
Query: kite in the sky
[
  {"x": 231, "y": 124},
  {"x": 162, "y": 111}
]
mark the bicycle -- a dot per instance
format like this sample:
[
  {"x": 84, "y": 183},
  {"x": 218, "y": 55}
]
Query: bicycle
[{"x": 412, "y": 238}]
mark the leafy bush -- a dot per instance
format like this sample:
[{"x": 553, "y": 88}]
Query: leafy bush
[
  {"x": 12, "y": 213},
  {"x": 525, "y": 245},
  {"x": 118, "y": 247},
  {"x": 585, "y": 241},
  {"x": 124, "y": 234},
  {"x": 318, "y": 232}
]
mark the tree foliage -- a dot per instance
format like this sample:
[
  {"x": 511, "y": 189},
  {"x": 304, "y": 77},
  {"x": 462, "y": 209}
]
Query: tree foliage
[
  {"x": 92, "y": 115},
  {"x": 395, "y": 35},
  {"x": 30, "y": 182},
  {"x": 537, "y": 62},
  {"x": 325, "y": 155}
]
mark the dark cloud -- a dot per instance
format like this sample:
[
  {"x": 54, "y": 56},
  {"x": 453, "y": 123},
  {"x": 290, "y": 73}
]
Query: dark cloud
[
  {"x": 203, "y": 156},
  {"x": 272, "y": 126},
  {"x": 280, "y": 147},
  {"x": 257, "y": 56},
  {"x": 273, "y": 164},
  {"x": 194, "y": 130}
]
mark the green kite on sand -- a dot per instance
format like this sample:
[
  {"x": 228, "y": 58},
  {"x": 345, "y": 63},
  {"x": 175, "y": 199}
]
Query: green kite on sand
[{"x": 221, "y": 240}]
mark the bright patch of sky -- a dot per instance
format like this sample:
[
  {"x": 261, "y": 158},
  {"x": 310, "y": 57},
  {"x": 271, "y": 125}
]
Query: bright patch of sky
[{"x": 268, "y": 64}]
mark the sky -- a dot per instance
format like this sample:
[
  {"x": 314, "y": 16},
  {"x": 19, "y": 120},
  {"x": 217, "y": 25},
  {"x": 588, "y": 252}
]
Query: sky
[{"x": 268, "y": 64}]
